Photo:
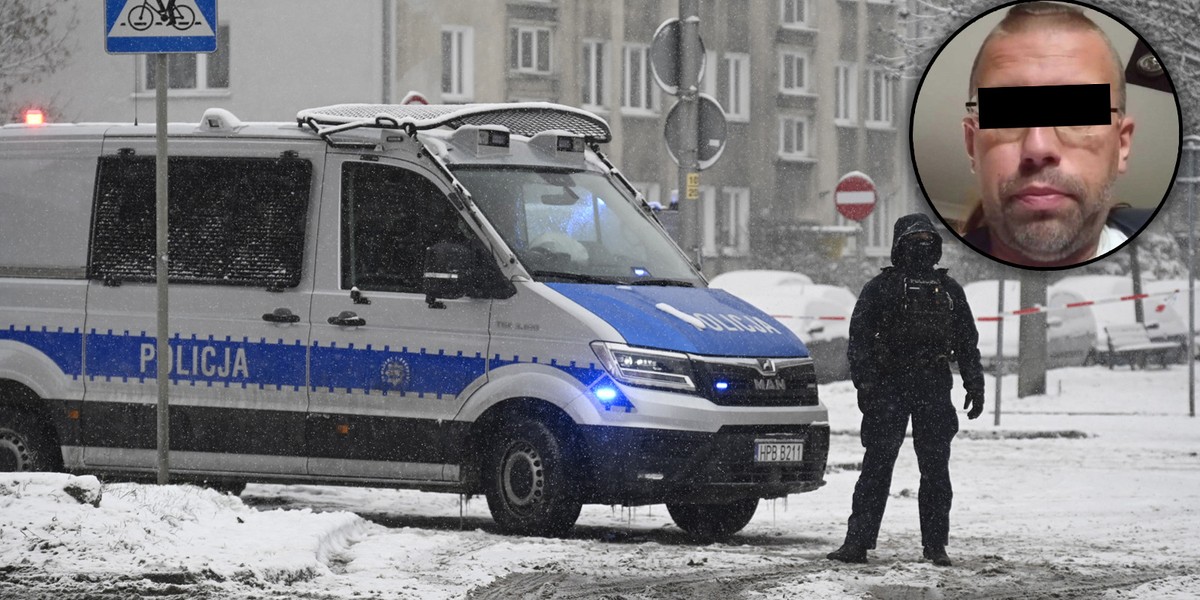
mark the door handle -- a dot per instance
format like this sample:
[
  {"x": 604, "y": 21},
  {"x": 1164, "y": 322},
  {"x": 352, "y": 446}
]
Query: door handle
[
  {"x": 281, "y": 315},
  {"x": 347, "y": 318}
]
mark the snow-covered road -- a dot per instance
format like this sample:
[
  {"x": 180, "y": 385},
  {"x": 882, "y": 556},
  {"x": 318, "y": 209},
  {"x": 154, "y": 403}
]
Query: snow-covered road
[{"x": 1090, "y": 491}]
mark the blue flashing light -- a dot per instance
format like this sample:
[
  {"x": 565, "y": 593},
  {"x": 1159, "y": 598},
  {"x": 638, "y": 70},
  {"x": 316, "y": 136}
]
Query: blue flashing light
[
  {"x": 722, "y": 386},
  {"x": 606, "y": 394},
  {"x": 640, "y": 272}
]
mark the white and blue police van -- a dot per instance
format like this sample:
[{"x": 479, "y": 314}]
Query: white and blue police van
[{"x": 467, "y": 299}]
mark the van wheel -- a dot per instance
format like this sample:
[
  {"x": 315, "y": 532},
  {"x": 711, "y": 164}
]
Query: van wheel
[
  {"x": 713, "y": 522},
  {"x": 23, "y": 443},
  {"x": 528, "y": 479}
]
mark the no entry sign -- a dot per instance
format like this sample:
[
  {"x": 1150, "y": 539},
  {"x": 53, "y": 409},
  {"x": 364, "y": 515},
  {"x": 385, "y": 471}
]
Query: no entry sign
[{"x": 854, "y": 196}]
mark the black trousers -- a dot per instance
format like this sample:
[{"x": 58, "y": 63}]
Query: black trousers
[{"x": 884, "y": 423}]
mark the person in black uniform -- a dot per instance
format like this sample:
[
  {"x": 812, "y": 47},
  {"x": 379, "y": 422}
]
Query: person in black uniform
[{"x": 910, "y": 321}]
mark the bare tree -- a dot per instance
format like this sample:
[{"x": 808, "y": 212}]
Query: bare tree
[{"x": 35, "y": 41}]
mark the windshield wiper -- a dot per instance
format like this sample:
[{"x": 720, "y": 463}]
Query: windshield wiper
[
  {"x": 577, "y": 277},
  {"x": 662, "y": 282}
]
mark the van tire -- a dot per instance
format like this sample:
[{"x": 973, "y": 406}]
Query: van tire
[
  {"x": 713, "y": 522},
  {"x": 24, "y": 445},
  {"x": 528, "y": 479}
]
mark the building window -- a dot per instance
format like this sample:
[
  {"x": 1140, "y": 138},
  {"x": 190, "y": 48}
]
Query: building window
[
  {"x": 458, "y": 64},
  {"x": 879, "y": 98},
  {"x": 197, "y": 72},
  {"x": 529, "y": 49},
  {"x": 845, "y": 94},
  {"x": 727, "y": 222},
  {"x": 595, "y": 73},
  {"x": 736, "y": 99},
  {"x": 794, "y": 14},
  {"x": 640, "y": 93},
  {"x": 793, "y": 72},
  {"x": 793, "y": 137}
]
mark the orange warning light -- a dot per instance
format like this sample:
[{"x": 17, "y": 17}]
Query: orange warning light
[{"x": 34, "y": 116}]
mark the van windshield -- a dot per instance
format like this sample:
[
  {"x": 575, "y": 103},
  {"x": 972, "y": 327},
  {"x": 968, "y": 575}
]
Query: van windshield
[{"x": 576, "y": 226}]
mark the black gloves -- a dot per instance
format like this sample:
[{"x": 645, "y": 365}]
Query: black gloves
[{"x": 974, "y": 404}]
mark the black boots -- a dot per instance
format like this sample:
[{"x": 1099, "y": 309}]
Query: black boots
[
  {"x": 937, "y": 555},
  {"x": 849, "y": 553}
]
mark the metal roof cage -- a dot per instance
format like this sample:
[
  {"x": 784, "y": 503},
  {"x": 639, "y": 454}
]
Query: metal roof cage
[{"x": 521, "y": 118}]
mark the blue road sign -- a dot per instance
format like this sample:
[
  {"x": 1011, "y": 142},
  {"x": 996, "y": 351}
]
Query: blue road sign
[{"x": 160, "y": 26}]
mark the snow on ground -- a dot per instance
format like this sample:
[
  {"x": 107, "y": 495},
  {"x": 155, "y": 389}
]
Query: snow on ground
[
  {"x": 140, "y": 530},
  {"x": 1090, "y": 491}
]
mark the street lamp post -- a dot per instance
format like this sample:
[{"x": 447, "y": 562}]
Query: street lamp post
[{"x": 1192, "y": 156}]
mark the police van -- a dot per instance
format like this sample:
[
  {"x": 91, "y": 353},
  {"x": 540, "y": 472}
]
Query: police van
[{"x": 467, "y": 299}]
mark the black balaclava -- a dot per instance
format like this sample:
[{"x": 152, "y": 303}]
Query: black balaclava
[{"x": 916, "y": 245}]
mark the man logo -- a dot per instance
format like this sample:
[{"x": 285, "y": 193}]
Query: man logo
[
  {"x": 395, "y": 373},
  {"x": 762, "y": 384},
  {"x": 766, "y": 366}
]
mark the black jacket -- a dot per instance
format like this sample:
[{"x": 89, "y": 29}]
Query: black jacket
[{"x": 891, "y": 345}]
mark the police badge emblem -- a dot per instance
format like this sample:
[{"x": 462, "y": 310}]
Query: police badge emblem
[{"x": 395, "y": 373}]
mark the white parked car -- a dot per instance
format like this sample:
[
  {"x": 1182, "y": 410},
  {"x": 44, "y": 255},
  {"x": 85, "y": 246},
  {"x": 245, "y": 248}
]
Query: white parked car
[
  {"x": 1069, "y": 333},
  {"x": 1162, "y": 325},
  {"x": 794, "y": 300},
  {"x": 1177, "y": 304}
]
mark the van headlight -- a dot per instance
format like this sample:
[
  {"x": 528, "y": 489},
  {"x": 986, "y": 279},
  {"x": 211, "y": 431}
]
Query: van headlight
[{"x": 644, "y": 367}]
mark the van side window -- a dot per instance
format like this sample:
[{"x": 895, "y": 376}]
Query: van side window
[
  {"x": 233, "y": 221},
  {"x": 390, "y": 216}
]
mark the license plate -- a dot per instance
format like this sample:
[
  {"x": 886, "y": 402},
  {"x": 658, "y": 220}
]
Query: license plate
[{"x": 778, "y": 452}]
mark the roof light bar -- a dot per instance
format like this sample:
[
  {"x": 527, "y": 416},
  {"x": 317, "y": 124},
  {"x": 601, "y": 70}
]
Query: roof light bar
[{"x": 493, "y": 137}]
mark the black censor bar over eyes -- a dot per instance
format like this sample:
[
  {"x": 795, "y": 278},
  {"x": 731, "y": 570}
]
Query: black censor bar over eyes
[{"x": 1044, "y": 106}]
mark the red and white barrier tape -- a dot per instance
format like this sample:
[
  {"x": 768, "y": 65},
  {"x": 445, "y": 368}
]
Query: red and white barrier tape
[
  {"x": 1020, "y": 312},
  {"x": 1160, "y": 307}
]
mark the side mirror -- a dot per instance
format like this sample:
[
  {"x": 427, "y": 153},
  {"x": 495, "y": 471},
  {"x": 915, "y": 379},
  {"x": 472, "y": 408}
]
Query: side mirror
[{"x": 448, "y": 269}]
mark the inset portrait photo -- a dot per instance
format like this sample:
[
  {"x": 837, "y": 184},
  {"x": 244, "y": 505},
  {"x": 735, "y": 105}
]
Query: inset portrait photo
[{"x": 1045, "y": 135}]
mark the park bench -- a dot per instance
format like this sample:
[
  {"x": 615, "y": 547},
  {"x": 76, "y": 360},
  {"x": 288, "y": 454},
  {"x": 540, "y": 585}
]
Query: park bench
[{"x": 1131, "y": 344}]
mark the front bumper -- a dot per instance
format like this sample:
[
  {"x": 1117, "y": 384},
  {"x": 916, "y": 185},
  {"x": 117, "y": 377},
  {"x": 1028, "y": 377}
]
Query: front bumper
[{"x": 634, "y": 466}]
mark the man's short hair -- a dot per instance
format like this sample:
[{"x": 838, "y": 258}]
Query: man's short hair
[{"x": 1032, "y": 16}]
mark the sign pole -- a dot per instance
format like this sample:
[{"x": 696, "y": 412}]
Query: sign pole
[
  {"x": 1193, "y": 153},
  {"x": 999, "y": 349},
  {"x": 133, "y": 28},
  {"x": 1031, "y": 336},
  {"x": 689, "y": 175},
  {"x": 164, "y": 355}
]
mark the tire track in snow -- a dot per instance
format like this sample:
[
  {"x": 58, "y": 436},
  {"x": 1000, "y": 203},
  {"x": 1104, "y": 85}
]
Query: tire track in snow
[{"x": 1021, "y": 581}]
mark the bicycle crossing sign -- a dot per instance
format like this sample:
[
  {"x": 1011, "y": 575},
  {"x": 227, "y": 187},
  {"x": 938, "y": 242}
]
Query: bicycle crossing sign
[{"x": 160, "y": 26}]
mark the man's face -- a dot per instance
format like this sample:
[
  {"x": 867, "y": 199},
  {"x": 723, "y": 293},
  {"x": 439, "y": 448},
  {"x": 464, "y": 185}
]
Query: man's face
[{"x": 1046, "y": 195}]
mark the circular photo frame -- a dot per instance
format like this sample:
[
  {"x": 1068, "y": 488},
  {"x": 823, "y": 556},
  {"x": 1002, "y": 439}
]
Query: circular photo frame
[{"x": 1045, "y": 135}]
